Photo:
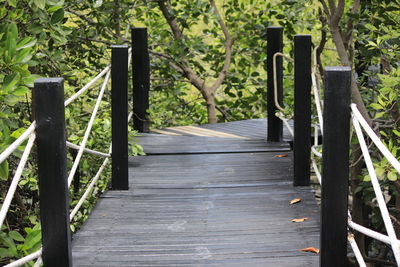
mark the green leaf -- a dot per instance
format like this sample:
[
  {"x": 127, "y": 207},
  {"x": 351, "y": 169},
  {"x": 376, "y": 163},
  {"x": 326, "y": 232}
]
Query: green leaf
[
  {"x": 57, "y": 16},
  {"x": 23, "y": 56},
  {"x": 12, "y": 3},
  {"x": 10, "y": 81},
  {"x": 17, "y": 133},
  {"x": 11, "y": 100},
  {"x": 35, "y": 28},
  {"x": 367, "y": 178},
  {"x": 25, "y": 43},
  {"x": 16, "y": 236},
  {"x": 11, "y": 46},
  {"x": 5, "y": 253},
  {"x": 396, "y": 133},
  {"x": 21, "y": 91},
  {"x": 53, "y": 9},
  {"x": 33, "y": 238},
  {"x": 380, "y": 172},
  {"x": 376, "y": 106},
  {"x": 392, "y": 176},
  {"x": 4, "y": 171},
  {"x": 40, "y": 3},
  {"x": 12, "y": 31},
  {"x": 379, "y": 115}
]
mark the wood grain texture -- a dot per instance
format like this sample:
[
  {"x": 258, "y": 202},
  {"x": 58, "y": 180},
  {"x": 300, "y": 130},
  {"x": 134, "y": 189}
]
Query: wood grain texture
[{"x": 219, "y": 208}]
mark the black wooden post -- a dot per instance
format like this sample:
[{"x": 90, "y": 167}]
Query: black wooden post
[
  {"x": 274, "y": 45},
  {"x": 48, "y": 102},
  {"x": 302, "y": 109},
  {"x": 141, "y": 79},
  {"x": 119, "y": 116},
  {"x": 335, "y": 171}
]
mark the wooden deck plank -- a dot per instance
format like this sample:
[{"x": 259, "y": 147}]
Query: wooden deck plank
[{"x": 203, "y": 201}]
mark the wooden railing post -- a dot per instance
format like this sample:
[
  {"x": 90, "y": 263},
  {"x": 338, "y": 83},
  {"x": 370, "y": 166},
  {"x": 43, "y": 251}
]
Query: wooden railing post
[
  {"x": 119, "y": 117},
  {"x": 274, "y": 45},
  {"x": 141, "y": 79},
  {"x": 335, "y": 167},
  {"x": 302, "y": 110},
  {"x": 48, "y": 102}
]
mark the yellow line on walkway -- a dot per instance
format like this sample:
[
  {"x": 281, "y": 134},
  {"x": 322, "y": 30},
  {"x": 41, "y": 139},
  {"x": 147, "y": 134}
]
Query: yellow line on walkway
[
  {"x": 165, "y": 132},
  {"x": 204, "y": 132}
]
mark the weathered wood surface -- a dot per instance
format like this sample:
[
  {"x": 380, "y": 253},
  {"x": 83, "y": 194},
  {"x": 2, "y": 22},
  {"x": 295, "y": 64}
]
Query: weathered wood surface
[
  {"x": 203, "y": 209},
  {"x": 250, "y": 129}
]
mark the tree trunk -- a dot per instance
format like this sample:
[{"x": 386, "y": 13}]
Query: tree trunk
[
  {"x": 344, "y": 59},
  {"x": 211, "y": 110}
]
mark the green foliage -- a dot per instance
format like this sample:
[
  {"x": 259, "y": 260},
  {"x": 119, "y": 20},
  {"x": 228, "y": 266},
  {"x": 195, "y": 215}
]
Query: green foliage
[{"x": 17, "y": 245}]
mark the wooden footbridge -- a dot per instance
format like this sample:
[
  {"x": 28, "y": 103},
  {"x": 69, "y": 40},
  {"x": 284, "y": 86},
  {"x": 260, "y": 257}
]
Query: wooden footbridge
[
  {"x": 203, "y": 197},
  {"x": 210, "y": 195}
]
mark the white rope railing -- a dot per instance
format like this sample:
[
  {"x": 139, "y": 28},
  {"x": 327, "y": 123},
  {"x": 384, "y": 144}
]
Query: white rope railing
[
  {"x": 280, "y": 113},
  {"x": 315, "y": 90},
  {"x": 89, "y": 188},
  {"x": 29, "y": 134},
  {"x": 88, "y": 129},
  {"x": 277, "y": 105},
  {"x": 357, "y": 118},
  {"x": 15, "y": 180},
  {"x": 89, "y": 151},
  {"x": 25, "y": 259},
  {"x": 87, "y": 86},
  {"x": 356, "y": 250},
  {"x": 11, "y": 148}
]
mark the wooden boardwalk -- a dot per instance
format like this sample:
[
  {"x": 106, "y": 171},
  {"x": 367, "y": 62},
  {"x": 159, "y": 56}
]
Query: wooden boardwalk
[{"x": 201, "y": 200}]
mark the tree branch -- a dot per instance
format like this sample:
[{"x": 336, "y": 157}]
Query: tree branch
[
  {"x": 332, "y": 7},
  {"x": 228, "y": 49},
  {"x": 350, "y": 23},
  {"x": 165, "y": 9},
  {"x": 339, "y": 10},
  {"x": 325, "y": 7}
]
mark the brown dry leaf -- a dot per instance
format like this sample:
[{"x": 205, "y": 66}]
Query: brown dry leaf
[
  {"x": 294, "y": 201},
  {"x": 310, "y": 249},
  {"x": 281, "y": 156},
  {"x": 300, "y": 219}
]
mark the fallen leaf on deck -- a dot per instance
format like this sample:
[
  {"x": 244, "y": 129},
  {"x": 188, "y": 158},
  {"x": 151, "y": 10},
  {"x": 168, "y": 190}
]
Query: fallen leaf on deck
[
  {"x": 300, "y": 219},
  {"x": 310, "y": 249},
  {"x": 281, "y": 156},
  {"x": 294, "y": 201}
]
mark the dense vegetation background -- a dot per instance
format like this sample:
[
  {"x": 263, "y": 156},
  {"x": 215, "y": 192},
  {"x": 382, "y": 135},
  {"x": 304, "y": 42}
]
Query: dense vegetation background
[{"x": 207, "y": 61}]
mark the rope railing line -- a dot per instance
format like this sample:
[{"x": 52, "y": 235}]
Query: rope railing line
[
  {"x": 129, "y": 56},
  {"x": 89, "y": 188},
  {"x": 11, "y": 148},
  {"x": 281, "y": 116},
  {"x": 88, "y": 129},
  {"x": 279, "y": 113},
  {"x": 277, "y": 105},
  {"x": 379, "y": 144},
  {"x": 29, "y": 133},
  {"x": 130, "y": 116},
  {"x": 38, "y": 262},
  {"x": 25, "y": 259},
  {"x": 87, "y": 86},
  {"x": 14, "y": 184},
  {"x": 377, "y": 189},
  {"x": 356, "y": 250},
  {"x": 89, "y": 151},
  {"x": 315, "y": 152},
  {"x": 371, "y": 233},
  {"x": 315, "y": 90}
]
